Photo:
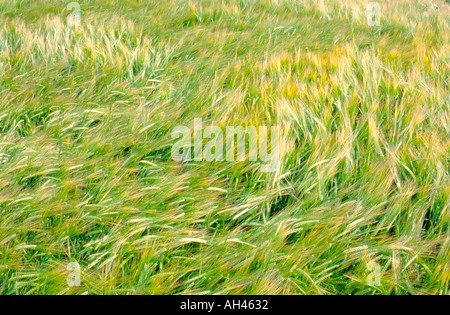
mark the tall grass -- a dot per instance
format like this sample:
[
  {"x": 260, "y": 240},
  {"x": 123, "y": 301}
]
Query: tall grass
[{"x": 86, "y": 173}]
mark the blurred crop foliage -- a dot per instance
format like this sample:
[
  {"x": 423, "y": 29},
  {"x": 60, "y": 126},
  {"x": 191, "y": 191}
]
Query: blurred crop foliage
[{"x": 86, "y": 173}]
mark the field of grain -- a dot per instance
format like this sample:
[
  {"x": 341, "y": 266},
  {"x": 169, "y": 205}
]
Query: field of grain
[{"x": 359, "y": 203}]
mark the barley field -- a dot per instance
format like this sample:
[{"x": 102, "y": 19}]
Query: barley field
[{"x": 358, "y": 203}]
